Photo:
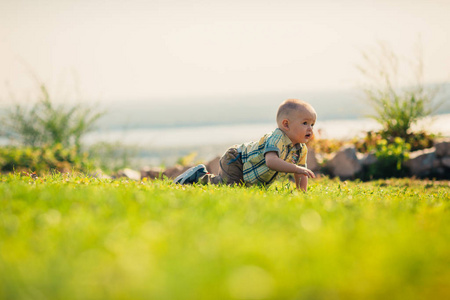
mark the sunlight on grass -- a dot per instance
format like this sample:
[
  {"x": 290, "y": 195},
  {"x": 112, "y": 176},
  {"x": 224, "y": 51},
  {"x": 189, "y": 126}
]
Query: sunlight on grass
[{"x": 73, "y": 237}]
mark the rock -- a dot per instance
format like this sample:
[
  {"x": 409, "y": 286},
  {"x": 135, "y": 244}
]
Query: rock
[
  {"x": 440, "y": 172},
  {"x": 129, "y": 173},
  {"x": 345, "y": 163},
  {"x": 421, "y": 162},
  {"x": 446, "y": 161},
  {"x": 311, "y": 160},
  {"x": 436, "y": 164},
  {"x": 213, "y": 165},
  {"x": 366, "y": 159},
  {"x": 442, "y": 147},
  {"x": 174, "y": 171},
  {"x": 99, "y": 174},
  {"x": 151, "y": 173}
]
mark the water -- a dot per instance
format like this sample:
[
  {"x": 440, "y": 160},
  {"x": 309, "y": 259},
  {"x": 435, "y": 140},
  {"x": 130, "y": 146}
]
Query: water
[
  {"x": 222, "y": 134},
  {"x": 197, "y": 136},
  {"x": 166, "y": 145}
]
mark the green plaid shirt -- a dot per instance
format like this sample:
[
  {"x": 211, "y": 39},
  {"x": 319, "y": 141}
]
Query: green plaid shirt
[{"x": 253, "y": 156}]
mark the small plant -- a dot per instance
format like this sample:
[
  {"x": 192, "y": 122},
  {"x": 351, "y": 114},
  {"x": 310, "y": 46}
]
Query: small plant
[
  {"x": 46, "y": 135},
  {"x": 417, "y": 140},
  {"x": 390, "y": 158},
  {"x": 369, "y": 142},
  {"x": 421, "y": 140},
  {"x": 398, "y": 105},
  {"x": 326, "y": 146},
  {"x": 45, "y": 123},
  {"x": 42, "y": 160}
]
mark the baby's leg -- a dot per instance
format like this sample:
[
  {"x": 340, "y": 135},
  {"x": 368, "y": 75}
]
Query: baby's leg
[{"x": 230, "y": 169}]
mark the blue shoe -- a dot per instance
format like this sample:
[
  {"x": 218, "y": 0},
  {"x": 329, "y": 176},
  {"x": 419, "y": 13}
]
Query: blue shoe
[{"x": 191, "y": 175}]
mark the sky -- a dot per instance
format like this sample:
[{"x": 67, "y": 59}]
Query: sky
[{"x": 151, "y": 49}]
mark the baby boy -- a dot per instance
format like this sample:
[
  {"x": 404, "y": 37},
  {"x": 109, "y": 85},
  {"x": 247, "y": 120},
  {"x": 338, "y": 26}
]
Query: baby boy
[{"x": 261, "y": 162}]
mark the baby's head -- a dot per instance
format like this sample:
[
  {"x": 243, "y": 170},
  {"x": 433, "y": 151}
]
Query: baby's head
[
  {"x": 296, "y": 118},
  {"x": 291, "y": 107}
]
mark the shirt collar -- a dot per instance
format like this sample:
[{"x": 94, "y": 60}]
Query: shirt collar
[{"x": 288, "y": 142}]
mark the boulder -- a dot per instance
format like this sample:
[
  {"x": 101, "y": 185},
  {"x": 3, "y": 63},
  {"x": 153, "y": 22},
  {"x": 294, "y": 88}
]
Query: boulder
[
  {"x": 446, "y": 161},
  {"x": 366, "y": 159},
  {"x": 99, "y": 174},
  {"x": 345, "y": 163},
  {"x": 151, "y": 173},
  {"x": 213, "y": 165},
  {"x": 442, "y": 147},
  {"x": 422, "y": 162},
  {"x": 311, "y": 160},
  {"x": 173, "y": 172},
  {"x": 129, "y": 173}
]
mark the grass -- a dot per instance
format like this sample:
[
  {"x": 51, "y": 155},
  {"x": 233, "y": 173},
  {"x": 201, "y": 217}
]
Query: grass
[{"x": 72, "y": 237}]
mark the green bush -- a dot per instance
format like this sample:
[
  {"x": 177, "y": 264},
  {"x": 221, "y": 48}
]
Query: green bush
[
  {"x": 421, "y": 140},
  {"x": 46, "y": 123},
  {"x": 46, "y": 135},
  {"x": 43, "y": 159},
  {"x": 390, "y": 159},
  {"x": 397, "y": 104}
]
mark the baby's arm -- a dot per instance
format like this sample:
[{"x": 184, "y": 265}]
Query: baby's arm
[
  {"x": 277, "y": 164},
  {"x": 301, "y": 181}
]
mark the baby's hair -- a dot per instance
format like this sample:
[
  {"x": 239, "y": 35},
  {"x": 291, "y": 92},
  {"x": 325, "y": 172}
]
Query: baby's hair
[{"x": 291, "y": 105}]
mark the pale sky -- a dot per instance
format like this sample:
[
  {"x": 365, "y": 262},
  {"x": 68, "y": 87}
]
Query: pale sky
[{"x": 151, "y": 49}]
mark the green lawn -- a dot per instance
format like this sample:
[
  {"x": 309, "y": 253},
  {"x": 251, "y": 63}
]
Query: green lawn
[{"x": 82, "y": 238}]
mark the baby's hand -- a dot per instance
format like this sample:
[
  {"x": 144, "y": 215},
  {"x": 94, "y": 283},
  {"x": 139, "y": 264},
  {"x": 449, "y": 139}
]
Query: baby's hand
[{"x": 305, "y": 171}]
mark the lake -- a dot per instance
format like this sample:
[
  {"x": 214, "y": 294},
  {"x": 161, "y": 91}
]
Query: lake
[{"x": 166, "y": 145}]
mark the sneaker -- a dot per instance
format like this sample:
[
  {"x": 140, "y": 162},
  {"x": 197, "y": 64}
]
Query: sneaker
[{"x": 191, "y": 175}]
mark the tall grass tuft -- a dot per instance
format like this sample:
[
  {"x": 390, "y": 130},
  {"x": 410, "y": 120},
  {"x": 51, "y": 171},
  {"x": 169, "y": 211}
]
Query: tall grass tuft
[
  {"x": 45, "y": 123},
  {"x": 398, "y": 102}
]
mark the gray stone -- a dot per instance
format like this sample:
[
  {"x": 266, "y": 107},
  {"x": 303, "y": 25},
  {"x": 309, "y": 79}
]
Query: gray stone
[
  {"x": 442, "y": 147},
  {"x": 173, "y": 172},
  {"x": 99, "y": 174},
  {"x": 421, "y": 162},
  {"x": 439, "y": 171},
  {"x": 446, "y": 161},
  {"x": 366, "y": 159},
  {"x": 129, "y": 173},
  {"x": 345, "y": 163},
  {"x": 437, "y": 163},
  {"x": 151, "y": 173}
]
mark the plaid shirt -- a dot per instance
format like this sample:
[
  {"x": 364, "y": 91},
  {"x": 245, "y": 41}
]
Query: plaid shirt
[{"x": 253, "y": 156}]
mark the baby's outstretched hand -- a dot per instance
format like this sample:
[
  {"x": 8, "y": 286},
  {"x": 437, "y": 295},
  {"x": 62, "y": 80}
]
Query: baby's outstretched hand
[{"x": 305, "y": 171}]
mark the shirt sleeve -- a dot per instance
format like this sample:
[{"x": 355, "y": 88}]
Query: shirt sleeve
[{"x": 273, "y": 143}]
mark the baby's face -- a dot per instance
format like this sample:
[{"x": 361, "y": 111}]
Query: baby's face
[{"x": 301, "y": 123}]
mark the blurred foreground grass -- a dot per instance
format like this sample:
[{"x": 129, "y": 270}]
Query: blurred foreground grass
[{"x": 82, "y": 238}]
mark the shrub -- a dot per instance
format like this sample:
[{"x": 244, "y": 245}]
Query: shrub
[
  {"x": 43, "y": 159},
  {"x": 325, "y": 146},
  {"x": 46, "y": 123},
  {"x": 390, "y": 159},
  {"x": 48, "y": 136},
  {"x": 397, "y": 107},
  {"x": 417, "y": 141}
]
